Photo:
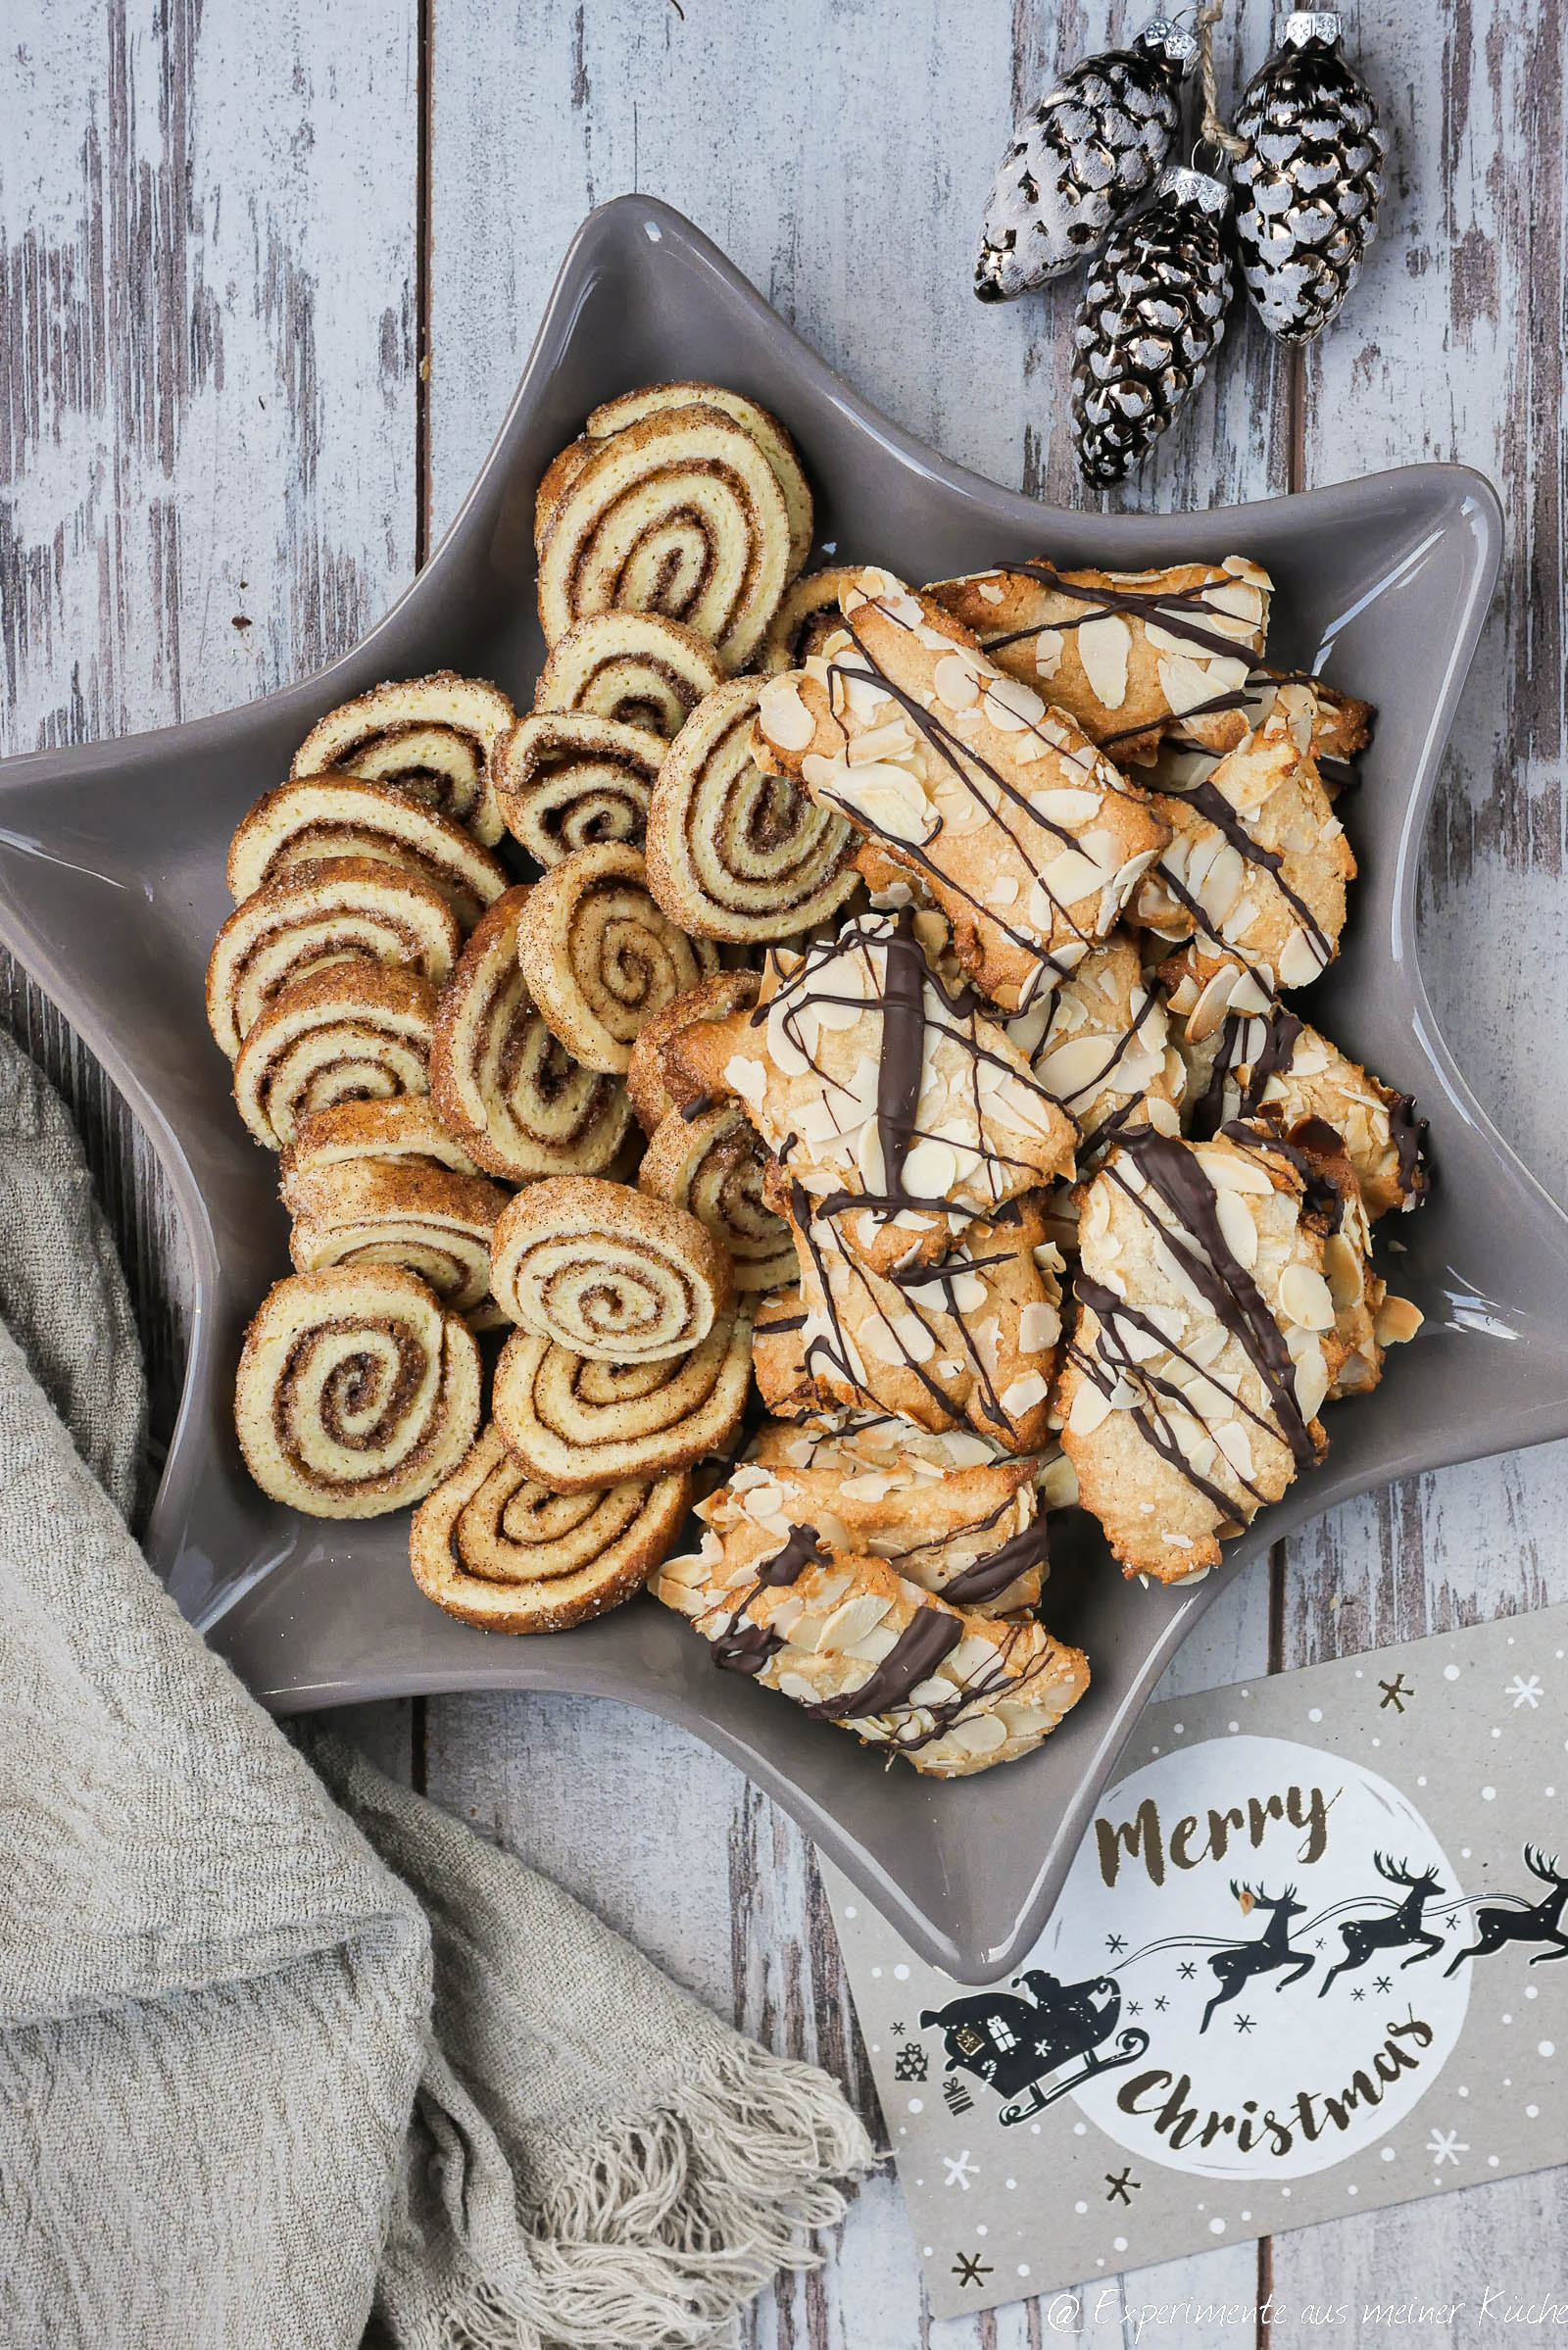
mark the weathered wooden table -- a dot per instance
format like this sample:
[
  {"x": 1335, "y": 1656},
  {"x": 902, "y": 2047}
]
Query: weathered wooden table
[{"x": 269, "y": 276}]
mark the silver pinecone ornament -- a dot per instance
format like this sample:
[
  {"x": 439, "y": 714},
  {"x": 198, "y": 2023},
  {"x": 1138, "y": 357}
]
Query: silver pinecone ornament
[
  {"x": 1088, "y": 152},
  {"x": 1308, "y": 180},
  {"x": 1152, "y": 315}
]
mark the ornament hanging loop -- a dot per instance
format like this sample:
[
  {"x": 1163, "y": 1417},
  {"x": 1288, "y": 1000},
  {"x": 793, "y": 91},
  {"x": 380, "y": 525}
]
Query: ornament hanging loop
[{"x": 1214, "y": 133}]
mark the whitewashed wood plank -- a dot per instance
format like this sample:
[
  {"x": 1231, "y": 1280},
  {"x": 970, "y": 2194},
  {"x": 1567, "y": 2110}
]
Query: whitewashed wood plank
[
  {"x": 1449, "y": 349},
  {"x": 847, "y": 183}
]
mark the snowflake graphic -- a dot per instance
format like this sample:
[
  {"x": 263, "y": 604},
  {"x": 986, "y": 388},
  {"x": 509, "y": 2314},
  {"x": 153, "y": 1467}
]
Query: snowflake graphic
[
  {"x": 1524, "y": 1692},
  {"x": 1384, "y": 1982},
  {"x": 1447, "y": 2145},
  {"x": 1242, "y": 2023},
  {"x": 962, "y": 2169}
]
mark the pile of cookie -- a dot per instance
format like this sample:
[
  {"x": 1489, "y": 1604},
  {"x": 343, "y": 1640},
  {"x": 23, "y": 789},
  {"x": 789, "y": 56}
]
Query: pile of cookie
[{"x": 896, "y": 1020}]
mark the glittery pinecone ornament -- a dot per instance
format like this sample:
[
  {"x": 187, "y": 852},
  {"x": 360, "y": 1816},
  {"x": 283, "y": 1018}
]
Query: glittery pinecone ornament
[
  {"x": 1152, "y": 313},
  {"x": 1089, "y": 151},
  {"x": 1308, "y": 183}
]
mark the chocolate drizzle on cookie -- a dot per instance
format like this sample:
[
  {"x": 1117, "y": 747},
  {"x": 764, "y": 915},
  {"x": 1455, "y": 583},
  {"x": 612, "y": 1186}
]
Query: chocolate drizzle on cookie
[
  {"x": 1169, "y": 608},
  {"x": 929, "y": 1636},
  {"x": 1272, "y": 1058},
  {"x": 745, "y": 1647},
  {"x": 988, "y": 1575}
]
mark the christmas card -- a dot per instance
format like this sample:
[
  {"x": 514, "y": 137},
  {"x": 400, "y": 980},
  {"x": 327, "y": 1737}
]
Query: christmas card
[{"x": 1307, "y": 1962}]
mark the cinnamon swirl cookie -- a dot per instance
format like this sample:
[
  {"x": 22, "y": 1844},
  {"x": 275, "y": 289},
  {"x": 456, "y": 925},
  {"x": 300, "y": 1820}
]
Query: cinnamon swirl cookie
[
  {"x": 334, "y": 909},
  {"x": 855, "y": 1644},
  {"x": 577, "y": 1425},
  {"x": 1127, "y": 653},
  {"x": 354, "y": 1032},
  {"x": 601, "y": 956},
  {"x": 426, "y": 1219},
  {"x": 734, "y": 854},
  {"x": 712, "y": 1166},
  {"x": 654, "y": 1089},
  {"x": 336, "y": 815},
  {"x": 679, "y": 513},
  {"x": 429, "y": 739},
  {"x": 807, "y": 617},
  {"x": 358, "y": 1391},
  {"x": 495, "y": 1550},
  {"x": 503, "y": 1084},
  {"x": 1025, "y": 836},
  {"x": 567, "y": 780},
  {"x": 607, "y": 1272},
  {"x": 634, "y": 667},
  {"x": 766, "y": 431},
  {"x": 402, "y": 1131}
]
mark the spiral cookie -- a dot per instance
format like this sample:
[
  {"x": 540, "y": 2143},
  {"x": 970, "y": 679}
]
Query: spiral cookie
[
  {"x": 599, "y": 957},
  {"x": 332, "y": 910},
  {"x": 353, "y": 1032},
  {"x": 337, "y": 815},
  {"x": 426, "y": 1219},
  {"x": 680, "y": 513},
  {"x": 712, "y": 1166},
  {"x": 734, "y": 854},
  {"x": 807, "y": 617},
  {"x": 567, "y": 780},
  {"x": 633, "y": 666},
  {"x": 429, "y": 738},
  {"x": 497, "y": 1550},
  {"x": 404, "y": 1131},
  {"x": 648, "y": 1080},
  {"x": 358, "y": 1391},
  {"x": 607, "y": 1272},
  {"x": 578, "y": 1425},
  {"x": 503, "y": 1084},
  {"x": 766, "y": 431}
]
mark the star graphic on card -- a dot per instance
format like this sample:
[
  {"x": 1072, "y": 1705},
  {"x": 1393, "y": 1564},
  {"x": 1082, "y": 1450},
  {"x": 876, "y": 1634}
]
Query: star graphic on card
[{"x": 970, "y": 2269}]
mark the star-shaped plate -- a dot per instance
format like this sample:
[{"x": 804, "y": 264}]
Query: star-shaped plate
[{"x": 112, "y": 888}]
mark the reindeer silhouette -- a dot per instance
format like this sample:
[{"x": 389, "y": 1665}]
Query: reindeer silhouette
[
  {"x": 1363, "y": 1935},
  {"x": 1273, "y": 1950},
  {"x": 1542, "y": 1923}
]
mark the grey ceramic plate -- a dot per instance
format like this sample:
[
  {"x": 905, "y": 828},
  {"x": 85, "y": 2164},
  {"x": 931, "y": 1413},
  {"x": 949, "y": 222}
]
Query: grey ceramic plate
[{"x": 111, "y": 887}]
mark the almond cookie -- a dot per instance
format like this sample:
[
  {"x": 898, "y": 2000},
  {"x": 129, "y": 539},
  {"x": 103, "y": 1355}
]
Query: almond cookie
[
  {"x": 648, "y": 1080},
  {"x": 503, "y": 1084},
  {"x": 336, "y": 815},
  {"x": 972, "y": 1342},
  {"x": 401, "y": 1131},
  {"x": 1098, "y": 1047},
  {"x": 332, "y": 910},
  {"x": 895, "y": 1104},
  {"x": 712, "y": 1163},
  {"x": 358, "y": 1391},
  {"x": 765, "y": 429},
  {"x": 1332, "y": 725},
  {"x": 495, "y": 1550},
  {"x": 607, "y": 1272},
  {"x": 734, "y": 854},
  {"x": 353, "y": 1032},
  {"x": 567, "y": 780},
  {"x": 576, "y": 1425},
  {"x": 426, "y": 1219},
  {"x": 969, "y": 1530},
  {"x": 807, "y": 617},
  {"x": 428, "y": 738},
  {"x": 1027, "y": 838},
  {"x": 853, "y": 1642},
  {"x": 1204, "y": 1346},
  {"x": 635, "y": 669},
  {"x": 1126, "y": 653},
  {"x": 599, "y": 957},
  {"x": 1275, "y": 1063},
  {"x": 1253, "y": 879},
  {"x": 679, "y": 513}
]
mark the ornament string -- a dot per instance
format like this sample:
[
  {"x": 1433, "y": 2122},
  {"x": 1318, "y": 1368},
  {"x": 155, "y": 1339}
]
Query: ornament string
[{"x": 1215, "y": 133}]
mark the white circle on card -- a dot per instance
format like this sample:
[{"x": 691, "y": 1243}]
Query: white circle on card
[{"x": 1248, "y": 1962}]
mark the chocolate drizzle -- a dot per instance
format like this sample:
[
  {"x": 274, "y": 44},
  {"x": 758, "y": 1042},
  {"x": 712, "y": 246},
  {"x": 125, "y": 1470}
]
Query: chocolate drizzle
[
  {"x": 745, "y": 1647},
  {"x": 930, "y": 1635},
  {"x": 1281, "y": 1032},
  {"x": 1169, "y": 608},
  {"x": 902, "y": 1055},
  {"x": 988, "y": 1575},
  {"x": 1212, "y": 804}
]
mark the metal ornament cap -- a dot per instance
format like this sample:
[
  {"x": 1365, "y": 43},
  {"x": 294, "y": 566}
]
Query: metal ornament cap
[
  {"x": 1176, "y": 43},
  {"x": 1186, "y": 185},
  {"x": 1305, "y": 25}
]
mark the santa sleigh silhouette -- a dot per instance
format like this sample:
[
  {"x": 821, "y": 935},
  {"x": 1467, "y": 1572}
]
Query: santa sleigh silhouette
[{"x": 1015, "y": 2044}]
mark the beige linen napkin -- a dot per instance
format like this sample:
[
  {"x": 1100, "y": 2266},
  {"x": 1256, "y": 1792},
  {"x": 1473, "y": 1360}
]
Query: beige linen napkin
[{"x": 270, "y": 2061}]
